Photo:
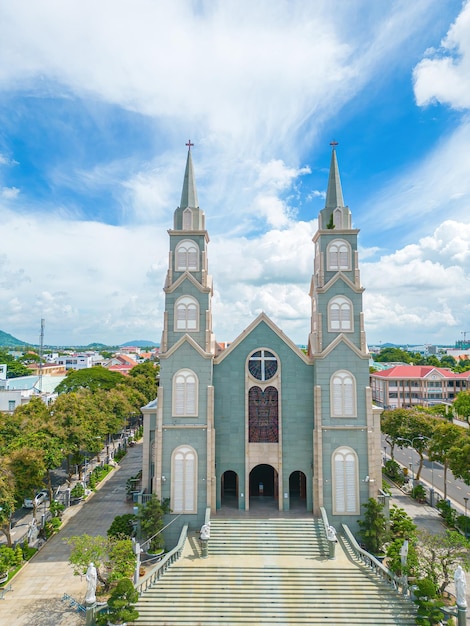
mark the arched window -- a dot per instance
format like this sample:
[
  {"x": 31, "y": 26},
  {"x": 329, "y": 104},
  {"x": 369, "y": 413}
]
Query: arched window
[
  {"x": 186, "y": 314},
  {"x": 338, "y": 255},
  {"x": 345, "y": 482},
  {"x": 187, "y": 256},
  {"x": 184, "y": 480},
  {"x": 185, "y": 393},
  {"x": 263, "y": 415},
  {"x": 340, "y": 318},
  {"x": 343, "y": 394},
  {"x": 187, "y": 219}
]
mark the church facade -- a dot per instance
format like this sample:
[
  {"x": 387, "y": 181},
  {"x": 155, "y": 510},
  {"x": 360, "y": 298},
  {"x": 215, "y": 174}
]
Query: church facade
[{"x": 261, "y": 420}]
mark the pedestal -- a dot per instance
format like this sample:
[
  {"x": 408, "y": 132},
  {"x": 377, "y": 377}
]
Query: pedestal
[{"x": 204, "y": 548}]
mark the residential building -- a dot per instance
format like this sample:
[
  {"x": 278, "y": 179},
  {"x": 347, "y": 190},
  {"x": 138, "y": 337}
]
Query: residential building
[{"x": 406, "y": 386}]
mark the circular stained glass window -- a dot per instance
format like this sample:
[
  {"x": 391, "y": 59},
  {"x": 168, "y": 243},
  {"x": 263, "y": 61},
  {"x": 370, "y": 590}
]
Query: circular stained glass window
[{"x": 262, "y": 365}]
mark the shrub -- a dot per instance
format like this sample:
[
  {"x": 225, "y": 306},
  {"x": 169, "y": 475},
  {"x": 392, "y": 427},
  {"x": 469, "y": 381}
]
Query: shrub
[
  {"x": 419, "y": 493},
  {"x": 121, "y": 602},
  {"x": 373, "y": 526},
  {"x": 394, "y": 471},
  {"x": 463, "y": 523},
  {"x": 78, "y": 491},
  {"x": 123, "y": 526},
  {"x": 27, "y": 551},
  {"x": 448, "y": 514},
  {"x": 56, "y": 508}
]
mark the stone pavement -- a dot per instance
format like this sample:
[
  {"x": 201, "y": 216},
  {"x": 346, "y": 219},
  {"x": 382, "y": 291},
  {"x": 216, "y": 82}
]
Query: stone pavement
[{"x": 40, "y": 585}]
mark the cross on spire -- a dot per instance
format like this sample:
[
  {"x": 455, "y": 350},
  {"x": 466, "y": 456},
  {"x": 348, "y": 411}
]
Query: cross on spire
[
  {"x": 332, "y": 143},
  {"x": 189, "y": 144}
]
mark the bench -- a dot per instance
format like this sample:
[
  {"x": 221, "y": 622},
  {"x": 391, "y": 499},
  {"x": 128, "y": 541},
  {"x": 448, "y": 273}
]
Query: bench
[{"x": 3, "y": 591}]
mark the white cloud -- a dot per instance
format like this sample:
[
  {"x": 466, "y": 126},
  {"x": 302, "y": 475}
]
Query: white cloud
[
  {"x": 9, "y": 193},
  {"x": 426, "y": 288},
  {"x": 445, "y": 76}
]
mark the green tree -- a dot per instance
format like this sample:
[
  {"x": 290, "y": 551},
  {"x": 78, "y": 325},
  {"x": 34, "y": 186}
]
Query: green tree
[
  {"x": 393, "y": 355},
  {"x": 112, "y": 557},
  {"x": 29, "y": 470},
  {"x": 462, "y": 404},
  {"x": 374, "y": 532},
  {"x": 121, "y": 603},
  {"x": 92, "y": 378},
  {"x": 439, "y": 555},
  {"x": 417, "y": 429},
  {"x": 459, "y": 459},
  {"x": 448, "y": 361},
  {"x": 7, "y": 498},
  {"x": 123, "y": 526},
  {"x": 150, "y": 516},
  {"x": 444, "y": 438},
  {"x": 392, "y": 423}
]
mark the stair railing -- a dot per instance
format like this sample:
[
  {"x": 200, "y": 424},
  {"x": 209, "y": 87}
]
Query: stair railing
[
  {"x": 160, "y": 568},
  {"x": 394, "y": 581}
]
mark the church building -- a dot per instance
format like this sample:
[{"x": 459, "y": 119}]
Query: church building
[{"x": 261, "y": 420}]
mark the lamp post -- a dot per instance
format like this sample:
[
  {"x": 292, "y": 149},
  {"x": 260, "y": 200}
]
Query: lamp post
[
  {"x": 411, "y": 442},
  {"x": 466, "y": 502}
]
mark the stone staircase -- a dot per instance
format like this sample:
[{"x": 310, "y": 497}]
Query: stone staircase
[{"x": 273, "y": 572}]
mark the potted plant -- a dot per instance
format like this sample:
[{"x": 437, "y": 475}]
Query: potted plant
[
  {"x": 121, "y": 603},
  {"x": 419, "y": 493}
]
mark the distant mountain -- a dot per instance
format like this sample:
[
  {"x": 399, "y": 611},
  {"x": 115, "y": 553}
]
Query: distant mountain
[
  {"x": 140, "y": 343},
  {"x": 8, "y": 341}
]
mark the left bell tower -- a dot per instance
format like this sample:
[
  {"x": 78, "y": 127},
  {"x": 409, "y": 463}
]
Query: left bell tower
[{"x": 181, "y": 437}]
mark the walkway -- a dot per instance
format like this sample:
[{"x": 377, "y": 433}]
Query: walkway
[{"x": 40, "y": 585}]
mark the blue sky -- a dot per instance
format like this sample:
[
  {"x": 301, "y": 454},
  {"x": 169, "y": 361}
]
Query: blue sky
[{"x": 98, "y": 99}]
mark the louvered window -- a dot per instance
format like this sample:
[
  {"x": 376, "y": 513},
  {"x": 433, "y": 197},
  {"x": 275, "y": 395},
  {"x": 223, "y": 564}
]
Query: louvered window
[
  {"x": 187, "y": 256},
  {"x": 338, "y": 256},
  {"x": 186, "y": 316},
  {"x": 345, "y": 482},
  {"x": 185, "y": 393},
  {"x": 184, "y": 483},
  {"x": 187, "y": 219},
  {"x": 343, "y": 395},
  {"x": 340, "y": 315}
]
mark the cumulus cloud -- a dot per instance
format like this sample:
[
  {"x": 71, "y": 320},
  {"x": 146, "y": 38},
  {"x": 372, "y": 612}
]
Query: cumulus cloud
[
  {"x": 426, "y": 288},
  {"x": 445, "y": 75}
]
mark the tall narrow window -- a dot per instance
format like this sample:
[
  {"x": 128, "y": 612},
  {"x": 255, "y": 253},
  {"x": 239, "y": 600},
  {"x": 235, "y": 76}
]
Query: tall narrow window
[
  {"x": 345, "y": 482},
  {"x": 187, "y": 256},
  {"x": 263, "y": 415},
  {"x": 185, "y": 393},
  {"x": 187, "y": 219},
  {"x": 338, "y": 255},
  {"x": 343, "y": 395},
  {"x": 184, "y": 480},
  {"x": 186, "y": 314},
  {"x": 340, "y": 317}
]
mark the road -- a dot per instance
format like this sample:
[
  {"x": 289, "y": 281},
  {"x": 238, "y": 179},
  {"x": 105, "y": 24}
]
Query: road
[{"x": 433, "y": 474}]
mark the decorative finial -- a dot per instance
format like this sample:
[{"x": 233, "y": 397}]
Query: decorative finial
[
  {"x": 332, "y": 143},
  {"x": 189, "y": 144}
]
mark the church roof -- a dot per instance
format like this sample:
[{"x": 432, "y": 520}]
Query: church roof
[
  {"x": 189, "y": 193},
  {"x": 334, "y": 194}
]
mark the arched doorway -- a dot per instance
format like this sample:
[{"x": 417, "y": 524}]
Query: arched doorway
[
  {"x": 297, "y": 490},
  {"x": 229, "y": 489},
  {"x": 263, "y": 484}
]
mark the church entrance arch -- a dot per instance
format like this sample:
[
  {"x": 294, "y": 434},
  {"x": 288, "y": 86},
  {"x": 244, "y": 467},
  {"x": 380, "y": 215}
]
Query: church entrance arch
[
  {"x": 297, "y": 490},
  {"x": 263, "y": 483},
  {"x": 229, "y": 488}
]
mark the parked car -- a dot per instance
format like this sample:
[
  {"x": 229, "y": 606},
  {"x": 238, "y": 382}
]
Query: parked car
[{"x": 38, "y": 499}]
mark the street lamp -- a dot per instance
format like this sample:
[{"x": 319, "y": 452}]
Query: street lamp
[
  {"x": 411, "y": 442},
  {"x": 466, "y": 502}
]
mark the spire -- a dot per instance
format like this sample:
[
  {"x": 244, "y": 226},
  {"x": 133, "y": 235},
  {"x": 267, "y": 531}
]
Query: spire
[
  {"x": 189, "y": 193},
  {"x": 334, "y": 194}
]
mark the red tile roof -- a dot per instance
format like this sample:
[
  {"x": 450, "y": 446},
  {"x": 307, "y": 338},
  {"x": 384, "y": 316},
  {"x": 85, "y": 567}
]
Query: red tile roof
[{"x": 418, "y": 371}]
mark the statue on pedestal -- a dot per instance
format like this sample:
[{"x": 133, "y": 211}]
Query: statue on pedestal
[
  {"x": 91, "y": 578},
  {"x": 460, "y": 587}
]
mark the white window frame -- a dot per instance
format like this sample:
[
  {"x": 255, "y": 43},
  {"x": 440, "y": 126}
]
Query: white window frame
[
  {"x": 343, "y": 394},
  {"x": 184, "y": 469},
  {"x": 187, "y": 256},
  {"x": 185, "y": 394},
  {"x": 338, "y": 255},
  {"x": 340, "y": 315},
  {"x": 186, "y": 314},
  {"x": 345, "y": 472},
  {"x": 187, "y": 219}
]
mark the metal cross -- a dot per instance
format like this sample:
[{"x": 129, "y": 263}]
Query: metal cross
[{"x": 189, "y": 144}]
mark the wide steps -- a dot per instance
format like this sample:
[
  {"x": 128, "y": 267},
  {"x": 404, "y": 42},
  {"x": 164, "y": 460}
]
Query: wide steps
[{"x": 285, "y": 580}]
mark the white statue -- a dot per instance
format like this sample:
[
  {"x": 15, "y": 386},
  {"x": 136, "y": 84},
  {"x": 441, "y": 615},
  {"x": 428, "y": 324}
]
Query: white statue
[
  {"x": 91, "y": 577},
  {"x": 205, "y": 533},
  {"x": 460, "y": 587},
  {"x": 331, "y": 534}
]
